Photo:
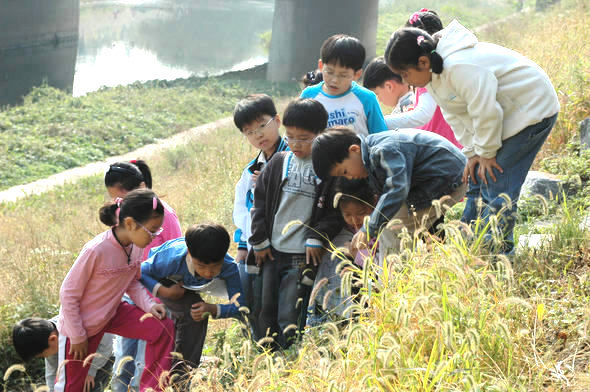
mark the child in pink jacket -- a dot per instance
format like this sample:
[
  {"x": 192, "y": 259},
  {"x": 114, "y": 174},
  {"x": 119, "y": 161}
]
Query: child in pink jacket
[{"x": 107, "y": 267}]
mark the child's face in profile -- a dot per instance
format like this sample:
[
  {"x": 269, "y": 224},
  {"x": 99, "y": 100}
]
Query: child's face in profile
[
  {"x": 207, "y": 271},
  {"x": 263, "y": 133},
  {"x": 390, "y": 92},
  {"x": 354, "y": 213},
  {"x": 351, "y": 168},
  {"x": 300, "y": 141},
  {"x": 338, "y": 79},
  {"x": 419, "y": 75},
  {"x": 142, "y": 234}
]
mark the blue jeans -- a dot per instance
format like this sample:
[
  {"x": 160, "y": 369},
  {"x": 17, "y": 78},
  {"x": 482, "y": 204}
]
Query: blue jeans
[
  {"x": 128, "y": 378},
  {"x": 515, "y": 157}
]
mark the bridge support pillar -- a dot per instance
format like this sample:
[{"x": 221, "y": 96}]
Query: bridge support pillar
[{"x": 301, "y": 26}]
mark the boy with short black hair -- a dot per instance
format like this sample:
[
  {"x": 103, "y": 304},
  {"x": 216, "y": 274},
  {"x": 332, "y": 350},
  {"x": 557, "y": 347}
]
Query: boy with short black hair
[
  {"x": 286, "y": 192},
  {"x": 409, "y": 168},
  {"x": 179, "y": 270},
  {"x": 347, "y": 103},
  {"x": 389, "y": 88},
  {"x": 257, "y": 119},
  {"x": 38, "y": 338}
]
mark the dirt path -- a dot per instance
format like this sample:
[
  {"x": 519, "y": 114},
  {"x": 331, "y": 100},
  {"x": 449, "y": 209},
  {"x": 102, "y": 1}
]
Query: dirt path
[{"x": 71, "y": 175}]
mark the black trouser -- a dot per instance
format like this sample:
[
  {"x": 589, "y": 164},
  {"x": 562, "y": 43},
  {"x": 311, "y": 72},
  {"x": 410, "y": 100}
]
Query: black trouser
[{"x": 190, "y": 334}]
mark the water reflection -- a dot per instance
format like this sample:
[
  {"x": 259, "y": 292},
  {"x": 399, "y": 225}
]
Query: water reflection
[{"x": 121, "y": 42}]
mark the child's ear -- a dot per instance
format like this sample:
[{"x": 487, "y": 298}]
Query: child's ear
[
  {"x": 358, "y": 74},
  {"x": 129, "y": 223},
  {"x": 423, "y": 63},
  {"x": 388, "y": 85},
  {"x": 354, "y": 148}
]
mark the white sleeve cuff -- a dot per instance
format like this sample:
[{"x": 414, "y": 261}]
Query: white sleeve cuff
[
  {"x": 218, "y": 311},
  {"x": 261, "y": 246},
  {"x": 156, "y": 288},
  {"x": 314, "y": 243}
]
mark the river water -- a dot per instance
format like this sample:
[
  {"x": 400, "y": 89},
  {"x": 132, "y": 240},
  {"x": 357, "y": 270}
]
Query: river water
[{"x": 121, "y": 42}]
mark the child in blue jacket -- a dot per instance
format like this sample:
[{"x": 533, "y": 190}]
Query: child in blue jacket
[
  {"x": 180, "y": 270},
  {"x": 409, "y": 168}
]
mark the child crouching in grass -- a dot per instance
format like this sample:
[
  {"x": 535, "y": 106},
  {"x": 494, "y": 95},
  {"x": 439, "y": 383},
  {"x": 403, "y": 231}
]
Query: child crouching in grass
[
  {"x": 356, "y": 201},
  {"x": 190, "y": 263},
  {"x": 410, "y": 168},
  {"x": 109, "y": 266},
  {"x": 38, "y": 338}
]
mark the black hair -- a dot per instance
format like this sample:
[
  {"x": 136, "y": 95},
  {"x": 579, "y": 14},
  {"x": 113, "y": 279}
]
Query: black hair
[
  {"x": 377, "y": 73},
  {"x": 252, "y": 108},
  {"x": 357, "y": 191},
  {"x": 312, "y": 78},
  {"x": 30, "y": 337},
  {"x": 306, "y": 113},
  {"x": 407, "y": 45},
  {"x": 427, "y": 20},
  {"x": 343, "y": 50},
  {"x": 207, "y": 242},
  {"x": 330, "y": 148},
  {"x": 137, "y": 204},
  {"x": 128, "y": 175}
]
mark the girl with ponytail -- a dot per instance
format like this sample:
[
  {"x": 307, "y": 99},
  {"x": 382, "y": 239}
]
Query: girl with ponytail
[
  {"x": 120, "y": 179},
  {"x": 123, "y": 177},
  {"x": 107, "y": 267},
  {"x": 500, "y": 105}
]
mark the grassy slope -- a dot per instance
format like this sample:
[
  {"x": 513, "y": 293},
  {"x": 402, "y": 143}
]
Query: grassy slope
[
  {"x": 52, "y": 131},
  {"x": 443, "y": 313},
  {"x": 470, "y": 13}
]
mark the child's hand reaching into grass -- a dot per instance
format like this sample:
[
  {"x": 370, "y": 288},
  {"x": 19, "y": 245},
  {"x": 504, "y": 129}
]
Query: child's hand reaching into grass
[
  {"x": 359, "y": 241},
  {"x": 89, "y": 383},
  {"x": 201, "y": 310}
]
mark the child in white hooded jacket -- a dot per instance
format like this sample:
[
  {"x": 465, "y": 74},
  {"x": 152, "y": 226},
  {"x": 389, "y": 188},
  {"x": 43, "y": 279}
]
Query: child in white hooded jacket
[{"x": 500, "y": 104}]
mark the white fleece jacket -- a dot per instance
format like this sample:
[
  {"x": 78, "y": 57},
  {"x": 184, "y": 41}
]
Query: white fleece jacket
[{"x": 488, "y": 93}]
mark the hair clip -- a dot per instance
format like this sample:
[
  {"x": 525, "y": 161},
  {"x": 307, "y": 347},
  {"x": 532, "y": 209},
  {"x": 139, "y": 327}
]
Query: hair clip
[
  {"x": 424, "y": 10},
  {"x": 154, "y": 203},
  {"x": 420, "y": 39},
  {"x": 134, "y": 161},
  {"x": 414, "y": 18}
]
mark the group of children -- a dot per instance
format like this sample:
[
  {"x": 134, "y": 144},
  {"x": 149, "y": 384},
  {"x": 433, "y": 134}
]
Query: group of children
[{"x": 342, "y": 176}]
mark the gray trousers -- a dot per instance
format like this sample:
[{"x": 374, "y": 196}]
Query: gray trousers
[
  {"x": 279, "y": 310},
  {"x": 190, "y": 334}
]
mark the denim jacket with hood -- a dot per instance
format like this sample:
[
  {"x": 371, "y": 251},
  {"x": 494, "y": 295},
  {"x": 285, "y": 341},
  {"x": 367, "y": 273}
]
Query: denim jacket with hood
[{"x": 412, "y": 166}]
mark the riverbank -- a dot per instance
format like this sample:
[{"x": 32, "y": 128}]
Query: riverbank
[{"x": 53, "y": 131}]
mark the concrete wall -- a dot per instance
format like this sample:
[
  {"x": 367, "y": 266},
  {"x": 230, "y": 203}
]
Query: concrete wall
[
  {"x": 301, "y": 26},
  {"x": 38, "y": 42}
]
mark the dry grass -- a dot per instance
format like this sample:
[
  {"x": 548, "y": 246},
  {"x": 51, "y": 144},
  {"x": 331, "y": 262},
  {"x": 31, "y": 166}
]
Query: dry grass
[{"x": 442, "y": 320}]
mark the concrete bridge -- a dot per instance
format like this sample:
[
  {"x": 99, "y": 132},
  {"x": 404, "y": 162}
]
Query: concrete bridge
[
  {"x": 38, "y": 42},
  {"x": 39, "y": 39}
]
